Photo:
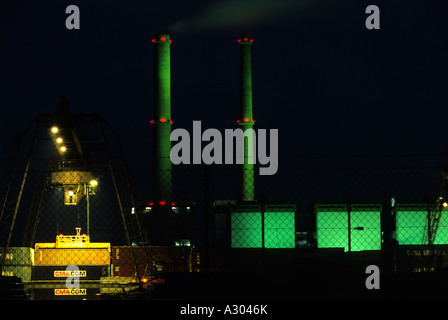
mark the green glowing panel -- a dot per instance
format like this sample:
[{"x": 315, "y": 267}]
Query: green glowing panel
[
  {"x": 365, "y": 226},
  {"x": 411, "y": 224},
  {"x": 442, "y": 231},
  {"x": 279, "y": 230},
  {"x": 246, "y": 230},
  {"x": 332, "y": 227}
]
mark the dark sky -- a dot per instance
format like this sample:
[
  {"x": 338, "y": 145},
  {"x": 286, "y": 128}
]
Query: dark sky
[{"x": 328, "y": 84}]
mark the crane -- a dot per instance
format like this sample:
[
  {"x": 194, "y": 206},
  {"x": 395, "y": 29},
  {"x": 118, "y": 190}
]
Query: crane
[{"x": 435, "y": 211}]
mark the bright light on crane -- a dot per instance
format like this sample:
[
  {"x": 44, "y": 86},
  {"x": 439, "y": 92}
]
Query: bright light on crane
[{"x": 54, "y": 130}]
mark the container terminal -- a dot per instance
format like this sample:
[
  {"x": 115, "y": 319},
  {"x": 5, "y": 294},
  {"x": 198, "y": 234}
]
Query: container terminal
[{"x": 53, "y": 247}]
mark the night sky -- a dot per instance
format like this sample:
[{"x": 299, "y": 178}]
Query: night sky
[{"x": 328, "y": 84}]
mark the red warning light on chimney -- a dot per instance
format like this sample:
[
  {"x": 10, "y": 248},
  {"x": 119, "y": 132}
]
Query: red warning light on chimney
[
  {"x": 245, "y": 120},
  {"x": 245, "y": 39}
]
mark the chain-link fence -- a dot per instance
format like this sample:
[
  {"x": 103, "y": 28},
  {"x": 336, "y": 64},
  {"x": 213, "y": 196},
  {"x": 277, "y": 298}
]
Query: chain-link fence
[
  {"x": 352, "y": 227},
  {"x": 104, "y": 221}
]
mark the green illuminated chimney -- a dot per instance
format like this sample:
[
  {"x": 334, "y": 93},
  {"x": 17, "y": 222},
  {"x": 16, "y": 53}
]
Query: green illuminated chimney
[
  {"x": 246, "y": 120},
  {"x": 162, "y": 167}
]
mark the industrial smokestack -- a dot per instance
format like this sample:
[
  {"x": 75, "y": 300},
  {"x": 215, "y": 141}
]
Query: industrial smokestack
[
  {"x": 246, "y": 119},
  {"x": 162, "y": 167}
]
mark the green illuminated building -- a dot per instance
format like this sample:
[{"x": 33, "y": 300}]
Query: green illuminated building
[
  {"x": 254, "y": 225},
  {"x": 279, "y": 226},
  {"x": 412, "y": 225},
  {"x": 352, "y": 227},
  {"x": 246, "y": 227},
  {"x": 358, "y": 227}
]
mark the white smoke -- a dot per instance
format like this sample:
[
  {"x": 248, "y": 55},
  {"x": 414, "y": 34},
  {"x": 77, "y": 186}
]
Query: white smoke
[{"x": 240, "y": 14}]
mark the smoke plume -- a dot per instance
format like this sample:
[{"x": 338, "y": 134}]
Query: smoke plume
[{"x": 240, "y": 14}]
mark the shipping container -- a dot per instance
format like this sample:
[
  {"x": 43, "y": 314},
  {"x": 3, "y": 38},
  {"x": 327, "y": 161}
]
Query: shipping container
[
  {"x": 118, "y": 286},
  {"x": 60, "y": 292},
  {"x": 160, "y": 259},
  {"x": 173, "y": 259},
  {"x": 64, "y": 257},
  {"x": 421, "y": 258},
  {"x": 18, "y": 262},
  {"x": 237, "y": 260},
  {"x": 127, "y": 270},
  {"x": 227, "y": 259},
  {"x": 23, "y": 272},
  {"x": 11, "y": 288},
  {"x": 18, "y": 256},
  {"x": 88, "y": 272}
]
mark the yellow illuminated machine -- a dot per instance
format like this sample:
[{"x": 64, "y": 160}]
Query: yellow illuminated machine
[
  {"x": 76, "y": 184},
  {"x": 74, "y": 241},
  {"x": 72, "y": 250}
]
